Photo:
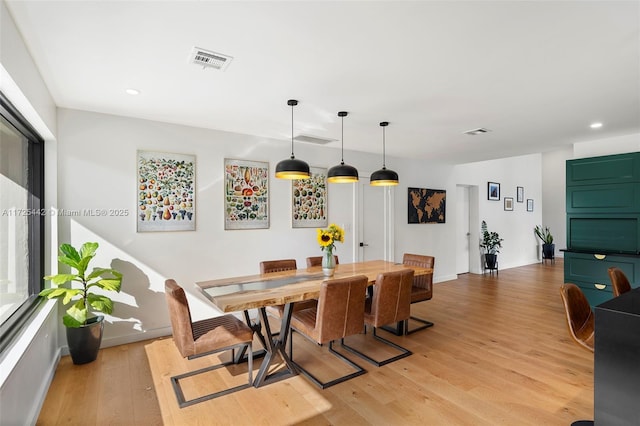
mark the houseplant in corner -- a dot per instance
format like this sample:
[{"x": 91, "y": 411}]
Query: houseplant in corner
[
  {"x": 548, "y": 248},
  {"x": 84, "y": 333},
  {"x": 491, "y": 243}
]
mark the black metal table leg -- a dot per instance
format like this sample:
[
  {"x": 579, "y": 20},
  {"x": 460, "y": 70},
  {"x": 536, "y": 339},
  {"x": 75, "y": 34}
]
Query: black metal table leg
[{"x": 275, "y": 346}]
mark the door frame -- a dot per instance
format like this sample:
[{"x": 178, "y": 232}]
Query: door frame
[{"x": 388, "y": 219}]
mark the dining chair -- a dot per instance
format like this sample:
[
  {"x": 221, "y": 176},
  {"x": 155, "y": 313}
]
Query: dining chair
[
  {"x": 198, "y": 338},
  {"x": 580, "y": 317},
  {"x": 421, "y": 291},
  {"x": 619, "y": 281},
  {"x": 270, "y": 266},
  {"x": 317, "y": 260},
  {"x": 390, "y": 303},
  {"x": 339, "y": 313}
]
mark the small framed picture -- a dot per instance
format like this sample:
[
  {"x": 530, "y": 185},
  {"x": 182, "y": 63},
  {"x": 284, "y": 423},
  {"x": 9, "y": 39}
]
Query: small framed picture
[
  {"x": 508, "y": 203},
  {"x": 529, "y": 205},
  {"x": 520, "y": 194},
  {"x": 493, "y": 191}
]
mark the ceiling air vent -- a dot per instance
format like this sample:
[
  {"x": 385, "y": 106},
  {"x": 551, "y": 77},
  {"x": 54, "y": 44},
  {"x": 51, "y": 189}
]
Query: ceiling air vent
[
  {"x": 313, "y": 139},
  {"x": 478, "y": 131},
  {"x": 209, "y": 59}
]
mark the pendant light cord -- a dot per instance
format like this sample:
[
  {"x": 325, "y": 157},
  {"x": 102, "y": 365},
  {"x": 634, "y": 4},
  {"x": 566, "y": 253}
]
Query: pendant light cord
[
  {"x": 384, "y": 151},
  {"x": 292, "y": 156},
  {"x": 342, "y": 148}
]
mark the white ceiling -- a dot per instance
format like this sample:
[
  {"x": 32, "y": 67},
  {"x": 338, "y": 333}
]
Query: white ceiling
[{"x": 536, "y": 73}]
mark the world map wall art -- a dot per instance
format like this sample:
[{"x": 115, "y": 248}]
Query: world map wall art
[
  {"x": 166, "y": 192},
  {"x": 427, "y": 205}
]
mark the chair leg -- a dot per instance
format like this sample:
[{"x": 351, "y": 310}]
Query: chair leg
[
  {"x": 426, "y": 323},
  {"x": 404, "y": 351},
  {"x": 182, "y": 402},
  {"x": 323, "y": 385}
]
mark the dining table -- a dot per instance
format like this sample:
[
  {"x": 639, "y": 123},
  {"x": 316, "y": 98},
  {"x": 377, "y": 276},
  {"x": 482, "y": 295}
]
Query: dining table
[{"x": 245, "y": 293}]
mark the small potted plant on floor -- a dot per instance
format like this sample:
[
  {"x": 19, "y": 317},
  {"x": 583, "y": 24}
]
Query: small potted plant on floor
[
  {"x": 84, "y": 333},
  {"x": 548, "y": 248},
  {"x": 491, "y": 243}
]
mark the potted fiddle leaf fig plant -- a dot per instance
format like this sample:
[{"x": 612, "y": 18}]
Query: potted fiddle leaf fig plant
[
  {"x": 491, "y": 243},
  {"x": 84, "y": 332},
  {"x": 548, "y": 248}
]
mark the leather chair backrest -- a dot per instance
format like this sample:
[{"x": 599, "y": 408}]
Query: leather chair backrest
[
  {"x": 619, "y": 281},
  {"x": 317, "y": 260},
  {"x": 580, "y": 317},
  {"x": 341, "y": 308},
  {"x": 180, "y": 318},
  {"x": 421, "y": 281},
  {"x": 277, "y": 265},
  {"x": 391, "y": 301}
]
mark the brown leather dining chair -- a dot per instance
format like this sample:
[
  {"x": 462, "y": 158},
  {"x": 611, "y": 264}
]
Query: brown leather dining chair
[
  {"x": 619, "y": 281},
  {"x": 422, "y": 287},
  {"x": 197, "y": 338},
  {"x": 270, "y": 266},
  {"x": 390, "y": 303},
  {"x": 339, "y": 313},
  {"x": 317, "y": 261},
  {"x": 580, "y": 317}
]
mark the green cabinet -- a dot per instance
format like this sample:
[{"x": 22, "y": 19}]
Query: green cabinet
[{"x": 603, "y": 222}]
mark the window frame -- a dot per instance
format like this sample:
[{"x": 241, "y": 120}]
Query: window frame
[{"x": 36, "y": 222}]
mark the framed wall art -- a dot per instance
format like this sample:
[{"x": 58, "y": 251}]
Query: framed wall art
[
  {"x": 493, "y": 191},
  {"x": 246, "y": 194},
  {"x": 309, "y": 207},
  {"x": 508, "y": 203},
  {"x": 166, "y": 192},
  {"x": 529, "y": 205},
  {"x": 426, "y": 205},
  {"x": 520, "y": 194}
]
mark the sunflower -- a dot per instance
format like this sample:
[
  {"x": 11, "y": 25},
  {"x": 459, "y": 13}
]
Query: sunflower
[
  {"x": 328, "y": 237},
  {"x": 324, "y": 238}
]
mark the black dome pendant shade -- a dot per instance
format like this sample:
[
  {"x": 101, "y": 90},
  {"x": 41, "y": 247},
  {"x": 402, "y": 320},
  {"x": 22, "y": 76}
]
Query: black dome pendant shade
[
  {"x": 342, "y": 173},
  {"x": 292, "y": 168},
  {"x": 384, "y": 176}
]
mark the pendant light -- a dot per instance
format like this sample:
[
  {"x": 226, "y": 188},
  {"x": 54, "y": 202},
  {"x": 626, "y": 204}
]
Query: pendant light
[
  {"x": 343, "y": 173},
  {"x": 292, "y": 168},
  {"x": 384, "y": 176}
]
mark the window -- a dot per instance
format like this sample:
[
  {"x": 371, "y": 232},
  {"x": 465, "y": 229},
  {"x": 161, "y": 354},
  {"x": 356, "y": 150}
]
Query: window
[{"x": 21, "y": 219}]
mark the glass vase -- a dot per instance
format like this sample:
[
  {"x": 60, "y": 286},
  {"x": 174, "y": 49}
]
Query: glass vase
[{"x": 328, "y": 262}]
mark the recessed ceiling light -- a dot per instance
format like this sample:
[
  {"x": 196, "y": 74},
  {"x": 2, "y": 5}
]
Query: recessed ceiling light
[
  {"x": 595, "y": 125},
  {"x": 132, "y": 92}
]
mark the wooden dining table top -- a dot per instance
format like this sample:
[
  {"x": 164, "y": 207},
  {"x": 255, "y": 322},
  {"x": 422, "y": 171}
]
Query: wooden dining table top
[{"x": 278, "y": 288}]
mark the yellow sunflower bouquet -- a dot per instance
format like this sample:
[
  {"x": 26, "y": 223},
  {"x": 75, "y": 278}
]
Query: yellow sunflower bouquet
[{"x": 328, "y": 237}]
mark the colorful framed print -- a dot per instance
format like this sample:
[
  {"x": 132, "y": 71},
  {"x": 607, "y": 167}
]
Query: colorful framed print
[
  {"x": 426, "y": 205},
  {"x": 246, "y": 194},
  {"x": 508, "y": 203},
  {"x": 493, "y": 191},
  {"x": 529, "y": 205},
  {"x": 166, "y": 192},
  {"x": 520, "y": 194},
  {"x": 309, "y": 207}
]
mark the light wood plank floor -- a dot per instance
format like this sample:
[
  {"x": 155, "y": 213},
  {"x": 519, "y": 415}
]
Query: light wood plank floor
[{"x": 499, "y": 354}]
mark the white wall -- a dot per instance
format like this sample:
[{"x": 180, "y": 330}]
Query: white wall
[
  {"x": 554, "y": 201},
  {"x": 515, "y": 227},
  {"x": 97, "y": 170},
  {"x": 28, "y": 365}
]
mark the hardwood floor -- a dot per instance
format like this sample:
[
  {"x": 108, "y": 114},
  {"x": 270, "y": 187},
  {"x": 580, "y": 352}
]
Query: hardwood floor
[{"x": 499, "y": 354}]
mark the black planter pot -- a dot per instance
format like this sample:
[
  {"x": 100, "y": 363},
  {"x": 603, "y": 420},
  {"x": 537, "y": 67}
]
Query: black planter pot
[
  {"x": 84, "y": 342},
  {"x": 491, "y": 259},
  {"x": 548, "y": 251}
]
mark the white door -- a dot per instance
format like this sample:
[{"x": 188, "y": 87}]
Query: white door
[
  {"x": 372, "y": 230},
  {"x": 462, "y": 230}
]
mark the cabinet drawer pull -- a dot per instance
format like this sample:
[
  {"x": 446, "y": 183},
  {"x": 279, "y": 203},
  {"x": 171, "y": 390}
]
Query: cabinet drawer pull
[
  {"x": 600, "y": 286},
  {"x": 599, "y": 256}
]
